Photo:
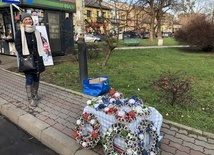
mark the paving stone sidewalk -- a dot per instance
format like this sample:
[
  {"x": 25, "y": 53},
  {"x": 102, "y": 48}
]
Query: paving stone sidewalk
[{"x": 52, "y": 122}]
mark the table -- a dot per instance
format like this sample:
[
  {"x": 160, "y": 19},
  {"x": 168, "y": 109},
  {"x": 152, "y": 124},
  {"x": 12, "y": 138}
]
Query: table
[{"x": 107, "y": 120}]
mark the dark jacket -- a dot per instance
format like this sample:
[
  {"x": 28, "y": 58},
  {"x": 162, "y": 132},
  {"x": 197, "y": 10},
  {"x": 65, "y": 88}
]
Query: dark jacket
[{"x": 32, "y": 47}]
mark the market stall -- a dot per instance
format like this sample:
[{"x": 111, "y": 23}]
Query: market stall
[{"x": 55, "y": 15}]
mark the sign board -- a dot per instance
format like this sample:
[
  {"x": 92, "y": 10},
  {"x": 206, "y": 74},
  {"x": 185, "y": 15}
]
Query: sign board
[
  {"x": 47, "y": 58},
  {"x": 11, "y": 1},
  {"x": 53, "y": 4}
]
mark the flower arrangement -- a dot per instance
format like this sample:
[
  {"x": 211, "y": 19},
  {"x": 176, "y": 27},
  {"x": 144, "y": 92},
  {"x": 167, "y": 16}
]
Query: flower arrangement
[
  {"x": 131, "y": 140},
  {"x": 146, "y": 126},
  {"x": 142, "y": 111},
  {"x": 125, "y": 117},
  {"x": 133, "y": 101},
  {"x": 83, "y": 135}
]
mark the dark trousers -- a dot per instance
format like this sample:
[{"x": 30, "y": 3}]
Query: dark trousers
[{"x": 31, "y": 78}]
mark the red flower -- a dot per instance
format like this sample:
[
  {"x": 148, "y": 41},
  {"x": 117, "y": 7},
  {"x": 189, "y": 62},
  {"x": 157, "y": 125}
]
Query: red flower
[
  {"x": 95, "y": 135},
  {"x": 132, "y": 114},
  {"x": 85, "y": 115},
  {"x": 76, "y": 134},
  {"x": 112, "y": 91}
]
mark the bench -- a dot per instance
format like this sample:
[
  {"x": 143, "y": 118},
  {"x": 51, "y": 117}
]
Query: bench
[{"x": 132, "y": 41}]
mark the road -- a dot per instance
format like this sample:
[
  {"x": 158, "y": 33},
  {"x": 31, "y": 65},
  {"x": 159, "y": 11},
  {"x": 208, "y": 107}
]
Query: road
[{"x": 15, "y": 141}]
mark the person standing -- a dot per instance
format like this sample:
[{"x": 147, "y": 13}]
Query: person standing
[{"x": 28, "y": 41}]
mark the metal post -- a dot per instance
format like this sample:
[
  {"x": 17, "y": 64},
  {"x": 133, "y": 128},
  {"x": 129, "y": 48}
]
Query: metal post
[
  {"x": 13, "y": 30},
  {"x": 80, "y": 29},
  {"x": 82, "y": 55}
]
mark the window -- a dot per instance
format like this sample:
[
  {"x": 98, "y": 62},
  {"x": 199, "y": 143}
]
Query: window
[
  {"x": 104, "y": 14},
  {"x": 88, "y": 13},
  {"x": 98, "y": 13}
]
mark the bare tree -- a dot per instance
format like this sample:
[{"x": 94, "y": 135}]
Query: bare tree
[
  {"x": 156, "y": 10},
  {"x": 119, "y": 21}
]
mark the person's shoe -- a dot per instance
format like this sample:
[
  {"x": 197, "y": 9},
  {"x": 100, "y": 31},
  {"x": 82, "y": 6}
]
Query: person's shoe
[
  {"x": 33, "y": 103},
  {"x": 30, "y": 99}
]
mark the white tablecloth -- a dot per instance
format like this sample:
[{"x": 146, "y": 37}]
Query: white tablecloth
[{"x": 107, "y": 120}]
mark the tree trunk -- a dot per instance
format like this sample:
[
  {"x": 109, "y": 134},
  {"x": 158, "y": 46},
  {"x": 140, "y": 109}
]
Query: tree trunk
[
  {"x": 107, "y": 58},
  {"x": 151, "y": 33}
]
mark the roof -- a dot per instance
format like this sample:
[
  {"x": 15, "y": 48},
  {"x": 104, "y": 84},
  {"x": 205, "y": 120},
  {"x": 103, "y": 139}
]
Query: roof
[{"x": 95, "y": 4}]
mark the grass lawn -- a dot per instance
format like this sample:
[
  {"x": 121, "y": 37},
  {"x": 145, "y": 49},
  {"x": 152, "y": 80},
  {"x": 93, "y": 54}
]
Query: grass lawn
[{"x": 132, "y": 71}]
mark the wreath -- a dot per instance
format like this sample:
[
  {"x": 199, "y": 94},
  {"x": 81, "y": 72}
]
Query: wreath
[
  {"x": 87, "y": 130},
  {"x": 143, "y": 127},
  {"x": 130, "y": 139},
  {"x": 142, "y": 111}
]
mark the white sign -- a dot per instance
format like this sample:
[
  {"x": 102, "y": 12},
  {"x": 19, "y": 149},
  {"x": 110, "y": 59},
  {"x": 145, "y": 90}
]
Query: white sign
[{"x": 48, "y": 59}]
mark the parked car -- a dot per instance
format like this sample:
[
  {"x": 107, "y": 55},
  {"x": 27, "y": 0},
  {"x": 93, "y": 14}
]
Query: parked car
[
  {"x": 144, "y": 35},
  {"x": 130, "y": 34},
  {"x": 167, "y": 34},
  {"x": 92, "y": 38},
  {"x": 101, "y": 36}
]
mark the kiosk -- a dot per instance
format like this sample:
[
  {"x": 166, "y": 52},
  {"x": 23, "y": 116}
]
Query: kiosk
[{"x": 55, "y": 15}]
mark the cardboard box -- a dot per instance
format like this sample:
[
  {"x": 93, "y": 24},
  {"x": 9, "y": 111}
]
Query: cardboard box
[{"x": 97, "y": 80}]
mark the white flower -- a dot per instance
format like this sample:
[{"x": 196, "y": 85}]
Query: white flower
[
  {"x": 84, "y": 144},
  {"x": 117, "y": 94},
  {"x": 138, "y": 89},
  {"x": 131, "y": 101},
  {"x": 93, "y": 121},
  {"x": 121, "y": 113},
  {"x": 129, "y": 151},
  {"x": 106, "y": 109},
  {"x": 78, "y": 122},
  {"x": 89, "y": 102},
  {"x": 110, "y": 129},
  {"x": 152, "y": 153},
  {"x": 138, "y": 109},
  {"x": 154, "y": 128},
  {"x": 141, "y": 136}
]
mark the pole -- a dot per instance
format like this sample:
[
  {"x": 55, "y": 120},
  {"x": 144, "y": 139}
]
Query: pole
[
  {"x": 82, "y": 58},
  {"x": 12, "y": 20},
  {"x": 80, "y": 23},
  {"x": 13, "y": 30},
  {"x": 80, "y": 28}
]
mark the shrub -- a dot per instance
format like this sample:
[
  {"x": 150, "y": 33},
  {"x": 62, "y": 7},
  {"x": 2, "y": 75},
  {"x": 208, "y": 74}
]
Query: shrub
[
  {"x": 173, "y": 88},
  {"x": 198, "y": 32}
]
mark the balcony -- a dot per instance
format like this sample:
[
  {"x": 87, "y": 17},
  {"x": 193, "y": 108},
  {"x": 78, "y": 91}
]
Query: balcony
[{"x": 115, "y": 21}]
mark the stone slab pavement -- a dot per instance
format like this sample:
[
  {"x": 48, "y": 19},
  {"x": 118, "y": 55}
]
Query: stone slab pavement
[{"x": 53, "y": 121}]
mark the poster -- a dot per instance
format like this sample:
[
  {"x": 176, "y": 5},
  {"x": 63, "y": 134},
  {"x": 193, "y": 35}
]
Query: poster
[
  {"x": 12, "y": 48},
  {"x": 48, "y": 59}
]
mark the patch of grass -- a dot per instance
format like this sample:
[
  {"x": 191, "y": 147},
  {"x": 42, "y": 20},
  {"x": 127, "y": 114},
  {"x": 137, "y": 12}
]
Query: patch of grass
[{"x": 132, "y": 71}]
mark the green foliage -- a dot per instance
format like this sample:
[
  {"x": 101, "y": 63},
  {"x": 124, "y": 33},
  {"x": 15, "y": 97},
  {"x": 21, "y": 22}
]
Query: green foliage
[
  {"x": 132, "y": 71},
  {"x": 174, "y": 88}
]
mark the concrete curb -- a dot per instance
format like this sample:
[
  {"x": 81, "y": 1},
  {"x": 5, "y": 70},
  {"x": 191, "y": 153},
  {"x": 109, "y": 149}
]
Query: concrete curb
[
  {"x": 49, "y": 136},
  {"x": 203, "y": 133}
]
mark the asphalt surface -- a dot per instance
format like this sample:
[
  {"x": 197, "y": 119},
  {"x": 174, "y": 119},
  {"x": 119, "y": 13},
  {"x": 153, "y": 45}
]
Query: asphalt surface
[
  {"x": 15, "y": 141},
  {"x": 53, "y": 121}
]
